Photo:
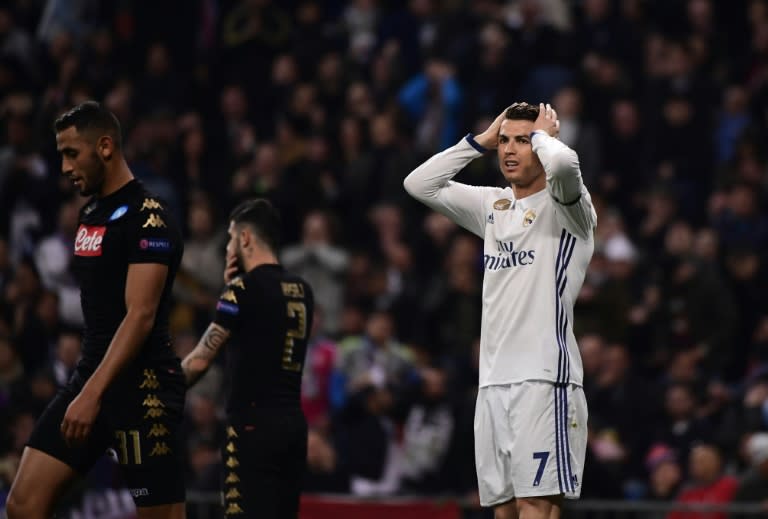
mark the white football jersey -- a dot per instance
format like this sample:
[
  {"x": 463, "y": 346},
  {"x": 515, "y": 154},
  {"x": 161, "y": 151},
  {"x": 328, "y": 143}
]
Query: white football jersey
[{"x": 536, "y": 249}]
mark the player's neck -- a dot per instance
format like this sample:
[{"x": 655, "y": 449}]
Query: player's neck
[
  {"x": 256, "y": 258},
  {"x": 116, "y": 178},
  {"x": 523, "y": 192}
]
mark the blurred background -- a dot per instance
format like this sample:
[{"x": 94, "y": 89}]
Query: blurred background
[{"x": 324, "y": 107}]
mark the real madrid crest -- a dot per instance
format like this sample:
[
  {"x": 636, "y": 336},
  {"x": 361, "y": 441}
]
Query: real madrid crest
[
  {"x": 502, "y": 204},
  {"x": 528, "y": 217}
]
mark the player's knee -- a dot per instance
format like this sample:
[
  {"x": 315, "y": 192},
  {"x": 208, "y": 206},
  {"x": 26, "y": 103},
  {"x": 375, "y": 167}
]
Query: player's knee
[
  {"x": 506, "y": 511},
  {"x": 21, "y": 506},
  {"x": 537, "y": 507}
]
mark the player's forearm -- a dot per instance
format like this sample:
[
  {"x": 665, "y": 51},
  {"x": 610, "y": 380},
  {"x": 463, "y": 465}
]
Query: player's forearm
[
  {"x": 125, "y": 345},
  {"x": 561, "y": 165},
  {"x": 425, "y": 182},
  {"x": 194, "y": 366},
  {"x": 199, "y": 359}
]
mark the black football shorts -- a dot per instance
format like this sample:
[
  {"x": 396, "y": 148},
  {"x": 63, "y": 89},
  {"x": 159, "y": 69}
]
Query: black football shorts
[
  {"x": 264, "y": 462},
  {"x": 138, "y": 424}
]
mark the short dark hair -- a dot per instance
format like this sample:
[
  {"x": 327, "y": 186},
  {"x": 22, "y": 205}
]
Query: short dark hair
[
  {"x": 91, "y": 115},
  {"x": 262, "y": 217},
  {"x": 524, "y": 111}
]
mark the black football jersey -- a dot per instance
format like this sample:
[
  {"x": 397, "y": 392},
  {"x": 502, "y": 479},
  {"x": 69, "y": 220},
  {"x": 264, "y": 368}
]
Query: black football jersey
[
  {"x": 269, "y": 313},
  {"x": 125, "y": 227}
]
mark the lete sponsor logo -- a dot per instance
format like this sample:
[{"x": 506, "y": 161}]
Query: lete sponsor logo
[{"x": 88, "y": 240}]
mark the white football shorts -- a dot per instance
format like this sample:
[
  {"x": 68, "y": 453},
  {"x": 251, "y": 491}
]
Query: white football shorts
[{"x": 530, "y": 440}]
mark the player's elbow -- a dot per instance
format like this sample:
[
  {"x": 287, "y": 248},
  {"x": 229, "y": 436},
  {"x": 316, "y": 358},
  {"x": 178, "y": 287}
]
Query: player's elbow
[
  {"x": 564, "y": 162},
  {"x": 414, "y": 187},
  {"x": 410, "y": 185},
  {"x": 142, "y": 317}
]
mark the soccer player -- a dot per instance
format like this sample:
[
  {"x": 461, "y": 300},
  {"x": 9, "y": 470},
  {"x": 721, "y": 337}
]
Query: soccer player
[
  {"x": 127, "y": 392},
  {"x": 265, "y": 314},
  {"x": 531, "y": 414}
]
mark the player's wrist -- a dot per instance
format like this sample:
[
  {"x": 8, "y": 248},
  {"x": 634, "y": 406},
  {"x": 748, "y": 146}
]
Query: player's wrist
[
  {"x": 538, "y": 131},
  {"x": 478, "y": 142},
  {"x": 93, "y": 390}
]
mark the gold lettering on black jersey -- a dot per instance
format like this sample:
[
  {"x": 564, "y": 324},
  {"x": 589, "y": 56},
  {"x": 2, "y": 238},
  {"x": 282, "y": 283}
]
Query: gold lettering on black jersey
[
  {"x": 232, "y": 462},
  {"x": 152, "y": 401},
  {"x": 160, "y": 449},
  {"x": 237, "y": 282},
  {"x": 232, "y": 478},
  {"x": 150, "y": 380},
  {"x": 153, "y": 221},
  {"x": 158, "y": 430},
  {"x": 231, "y": 432},
  {"x": 150, "y": 203},
  {"x": 233, "y": 509},
  {"x": 233, "y": 493},
  {"x": 292, "y": 289},
  {"x": 229, "y": 295},
  {"x": 154, "y": 413}
]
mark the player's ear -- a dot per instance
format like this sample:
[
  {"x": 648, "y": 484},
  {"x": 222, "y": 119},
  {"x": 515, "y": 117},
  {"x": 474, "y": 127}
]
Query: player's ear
[
  {"x": 105, "y": 147},
  {"x": 245, "y": 237}
]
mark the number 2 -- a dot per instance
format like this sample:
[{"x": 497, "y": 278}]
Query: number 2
[
  {"x": 542, "y": 457},
  {"x": 296, "y": 310}
]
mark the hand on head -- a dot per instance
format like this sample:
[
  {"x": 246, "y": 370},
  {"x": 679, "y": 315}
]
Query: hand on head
[{"x": 547, "y": 120}]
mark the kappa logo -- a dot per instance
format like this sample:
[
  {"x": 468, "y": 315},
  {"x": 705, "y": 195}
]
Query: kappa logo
[
  {"x": 158, "y": 430},
  {"x": 150, "y": 203},
  {"x": 153, "y": 221},
  {"x": 160, "y": 449},
  {"x": 237, "y": 282},
  {"x": 232, "y": 478},
  {"x": 154, "y": 412},
  {"x": 230, "y": 296},
  {"x": 88, "y": 240},
  {"x": 152, "y": 401},
  {"x": 233, "y": 493},
  {"x": 234, "y": 509}
]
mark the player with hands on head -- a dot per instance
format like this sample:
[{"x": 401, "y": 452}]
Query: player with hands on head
[
  {"x": 531, "y": 414},
  {"x": 127, "y": 392},
  {"x": 264, "y": 316}
]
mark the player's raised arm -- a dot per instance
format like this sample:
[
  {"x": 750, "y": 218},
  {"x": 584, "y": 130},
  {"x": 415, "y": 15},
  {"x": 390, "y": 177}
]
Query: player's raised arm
[
  {"x": 431, "y": 182},
  {"x": 197, "y": 362},
  {"x": 561, "y": 165}
]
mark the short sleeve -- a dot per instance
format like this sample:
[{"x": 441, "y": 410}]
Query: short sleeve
[
  {"x": 229, "y": 304},
  {"x": 152, "y": 237}
]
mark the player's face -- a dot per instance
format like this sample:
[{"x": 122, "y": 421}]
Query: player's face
[
  {"x": 518, "y": 163},
  {"x": 79, "y": 161}
]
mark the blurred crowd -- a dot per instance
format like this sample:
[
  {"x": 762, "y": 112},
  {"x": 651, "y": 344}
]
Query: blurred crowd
[{"x": 324, "y": 107}]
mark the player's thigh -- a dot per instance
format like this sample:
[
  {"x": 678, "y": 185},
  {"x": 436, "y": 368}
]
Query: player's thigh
[
  {"x": 263, "y": 468},
  {"x": 48, "y": 463},
  {"x": 548, "y": 443},
  {"x": 39, "y": 481},
  {"x": 492, "y": 446},
  {"x": 145, "y": 423},
  {"x": 46, "y": 435}
]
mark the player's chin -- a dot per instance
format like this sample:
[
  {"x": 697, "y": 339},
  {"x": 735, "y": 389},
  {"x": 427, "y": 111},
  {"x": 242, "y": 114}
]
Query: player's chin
[{"x": 511, "y": 177}]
